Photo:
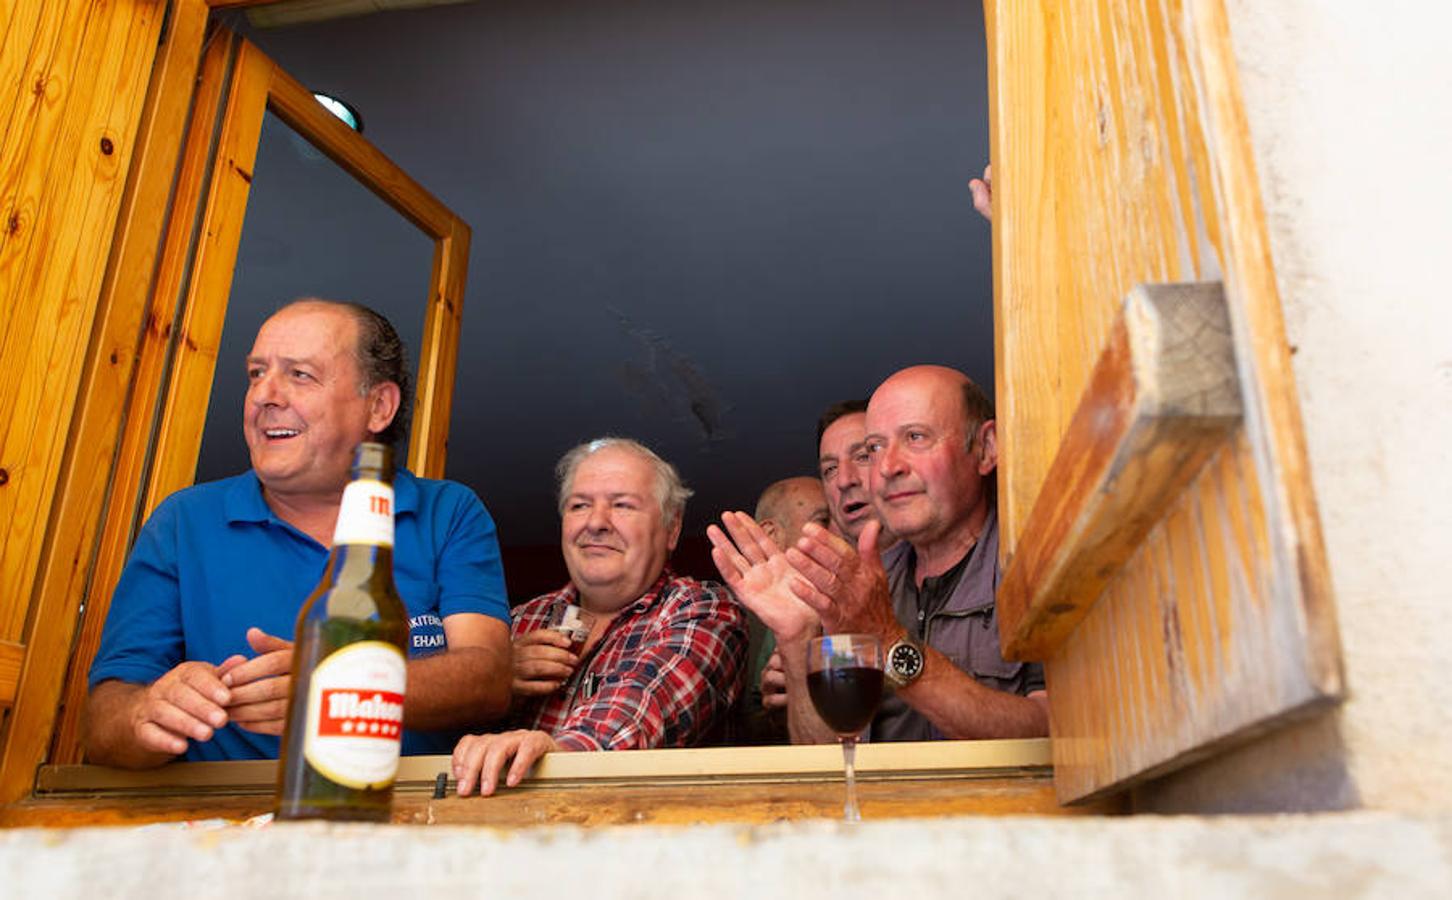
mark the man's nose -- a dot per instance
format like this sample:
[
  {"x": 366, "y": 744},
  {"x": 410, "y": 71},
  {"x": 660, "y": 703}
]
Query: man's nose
[
  {"x": 263, "y": 391},
  {"x": 599, "y": 519},
  {"x": 888, "y": 461}
]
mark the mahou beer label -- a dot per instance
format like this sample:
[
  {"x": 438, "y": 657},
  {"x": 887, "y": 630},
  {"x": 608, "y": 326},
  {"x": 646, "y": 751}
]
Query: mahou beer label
[
  {"x": 366, "y": 514},
  {"x": 355, "y": 715}
]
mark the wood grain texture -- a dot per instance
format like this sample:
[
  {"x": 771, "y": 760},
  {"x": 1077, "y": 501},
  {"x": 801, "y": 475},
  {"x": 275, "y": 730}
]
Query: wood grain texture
[
  {"x": 737, "y": 784},
  {"x": 65, "y": 155},
  {"x": 439, "y": 356},
  {"x": 1121, "y": 156},
  {"x": 1017, "y": 795},
  {"x": 120, "y": 398},
  {"x": 177, "y": 354},
  {"x": 173, "y": 456},
  {"x": 1163, "y": 397},
  {"x": 695, "y": 765},
  {"x": 12, "y": 657},
  {"x": 70, "y": 134}
]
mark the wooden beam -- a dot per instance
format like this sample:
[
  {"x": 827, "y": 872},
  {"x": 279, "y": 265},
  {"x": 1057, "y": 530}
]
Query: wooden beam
[
  {"x": 1127, "y": 162},
  {"x": 1162, "y": 398},
  {"x": 296, "y": 105},
  {"x": 12, "y": 657},
  {"x": 938, "y": 759},
  {"x": 107, "y": 93},
  {"x": 717, "y": 784},
  {"x": 199, "y": 328},
  {"x": 119, "y": 405},
  {"x": 439, "y": 356}
]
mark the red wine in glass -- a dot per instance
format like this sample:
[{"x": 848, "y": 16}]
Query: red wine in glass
[
  {"x": 844, "y": 679},
  {"x": 846, "y": 698}
]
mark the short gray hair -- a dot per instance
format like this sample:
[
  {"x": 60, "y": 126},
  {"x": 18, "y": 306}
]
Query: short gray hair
[{"x": 670, "y": 492}]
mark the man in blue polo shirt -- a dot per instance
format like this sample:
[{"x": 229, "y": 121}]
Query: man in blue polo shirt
[{"x": 194, "y": 660}]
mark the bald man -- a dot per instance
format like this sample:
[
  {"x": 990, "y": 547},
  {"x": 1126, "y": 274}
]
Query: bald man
[
  {"x": 933, "y": 449},
  {"x": 783, "y": 510},
  {"x": 788, "y": 505}
]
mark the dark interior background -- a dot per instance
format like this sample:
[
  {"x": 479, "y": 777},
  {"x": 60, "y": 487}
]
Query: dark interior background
[{"x": 694, "y": 223}]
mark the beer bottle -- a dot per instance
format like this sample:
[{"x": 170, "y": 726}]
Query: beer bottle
[{"x": 345, "y": 713}]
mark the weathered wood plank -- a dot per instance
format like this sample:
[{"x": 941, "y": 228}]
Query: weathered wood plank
[
  {"x": 1163, "y": 397},
  {"x": 1126, "y": 161},
  {"x": 12, "y": 657}
]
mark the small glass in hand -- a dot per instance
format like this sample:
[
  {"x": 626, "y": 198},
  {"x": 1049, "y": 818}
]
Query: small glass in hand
[
  {"x": 574, "y": 623},
  {"x": 844, "y": 677}
]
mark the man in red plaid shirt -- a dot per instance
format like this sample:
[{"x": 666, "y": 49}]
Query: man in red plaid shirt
[{"x": 665, "y": 657}]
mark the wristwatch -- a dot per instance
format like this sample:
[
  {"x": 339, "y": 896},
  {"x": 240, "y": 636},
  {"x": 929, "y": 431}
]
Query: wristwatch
[{"x": 904, "y": 663}]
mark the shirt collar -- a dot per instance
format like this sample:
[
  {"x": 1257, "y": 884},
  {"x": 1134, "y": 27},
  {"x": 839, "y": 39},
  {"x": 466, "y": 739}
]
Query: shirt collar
[
  {"x": 979, "y": 563},
  {"x": 244, "y": 501}
]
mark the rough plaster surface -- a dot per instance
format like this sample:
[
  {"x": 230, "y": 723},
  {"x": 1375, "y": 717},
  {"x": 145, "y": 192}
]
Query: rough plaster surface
[
  {"x": 1351, "y": 120},
  {"x": 1344, "y": 855},
  {"x": 1348, "y": 855}
]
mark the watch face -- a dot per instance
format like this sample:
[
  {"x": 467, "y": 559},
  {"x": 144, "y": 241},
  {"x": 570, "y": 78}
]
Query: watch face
[{"x": 906, "y": 661}]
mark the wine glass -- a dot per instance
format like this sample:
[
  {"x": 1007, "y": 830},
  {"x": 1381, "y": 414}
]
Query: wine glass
[{"x": 844, "y": 677}]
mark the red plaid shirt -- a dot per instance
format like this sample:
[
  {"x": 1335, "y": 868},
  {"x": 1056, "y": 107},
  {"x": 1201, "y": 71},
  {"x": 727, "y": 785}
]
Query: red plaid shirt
[{"x": 665, "y": 674}]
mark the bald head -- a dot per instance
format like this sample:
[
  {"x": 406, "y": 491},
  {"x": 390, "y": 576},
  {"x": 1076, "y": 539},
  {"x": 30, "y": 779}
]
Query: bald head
[
  {"x": 788, "y": 505},
  {"x": 933, "y": 447},
  {"x": 942, "y": 382}
]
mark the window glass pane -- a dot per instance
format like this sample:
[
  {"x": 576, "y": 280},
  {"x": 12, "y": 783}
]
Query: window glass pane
[{"x": 311, "y": 230}]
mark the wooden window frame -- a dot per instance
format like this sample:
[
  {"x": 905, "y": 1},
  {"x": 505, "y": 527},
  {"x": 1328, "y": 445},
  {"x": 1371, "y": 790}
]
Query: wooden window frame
[
  {"x": 165, "y": 405},
  {"x": 177, "y": 360}
]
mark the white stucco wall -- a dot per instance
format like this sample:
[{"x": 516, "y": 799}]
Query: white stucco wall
[
  {"x": 1350, "y": 106},
  {"x": 1355, "y": 855}
]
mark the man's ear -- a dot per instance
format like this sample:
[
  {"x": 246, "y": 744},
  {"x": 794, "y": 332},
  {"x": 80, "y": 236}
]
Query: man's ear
[
  {"x": 383, "y": 402},
  {"x": 987, "y": 447},
  {"x": 675, "y": 533},
  {"x": 773, "y": 530}
]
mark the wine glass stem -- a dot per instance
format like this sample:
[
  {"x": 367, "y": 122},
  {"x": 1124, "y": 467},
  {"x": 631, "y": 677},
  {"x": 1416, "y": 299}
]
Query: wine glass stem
[{"x": 850, "y": 812}]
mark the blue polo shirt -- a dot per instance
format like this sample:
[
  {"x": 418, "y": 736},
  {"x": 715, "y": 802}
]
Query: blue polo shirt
[{"x": 214, "y": 560}]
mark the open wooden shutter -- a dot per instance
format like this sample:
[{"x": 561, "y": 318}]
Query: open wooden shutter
[
  {"x": 236, "y": 85},
  {"x": 1159, "y": 530},
  {"x": 135, "y": 128}
]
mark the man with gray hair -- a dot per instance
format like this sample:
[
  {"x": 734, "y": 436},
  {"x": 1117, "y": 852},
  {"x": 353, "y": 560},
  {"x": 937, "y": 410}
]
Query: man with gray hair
[{"x": 664, "y": 658}]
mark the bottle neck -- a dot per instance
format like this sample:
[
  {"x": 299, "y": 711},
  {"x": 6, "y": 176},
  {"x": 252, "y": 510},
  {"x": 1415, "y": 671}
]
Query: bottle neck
[{"x": 359, "y": 564}]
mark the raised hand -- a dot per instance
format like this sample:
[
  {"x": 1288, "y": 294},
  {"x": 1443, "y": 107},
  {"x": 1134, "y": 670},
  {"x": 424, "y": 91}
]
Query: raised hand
[
  {"x": 761, "y": 577},
  {"x": 847, "y": 587},
  {"x": 982, "y": 191}
]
